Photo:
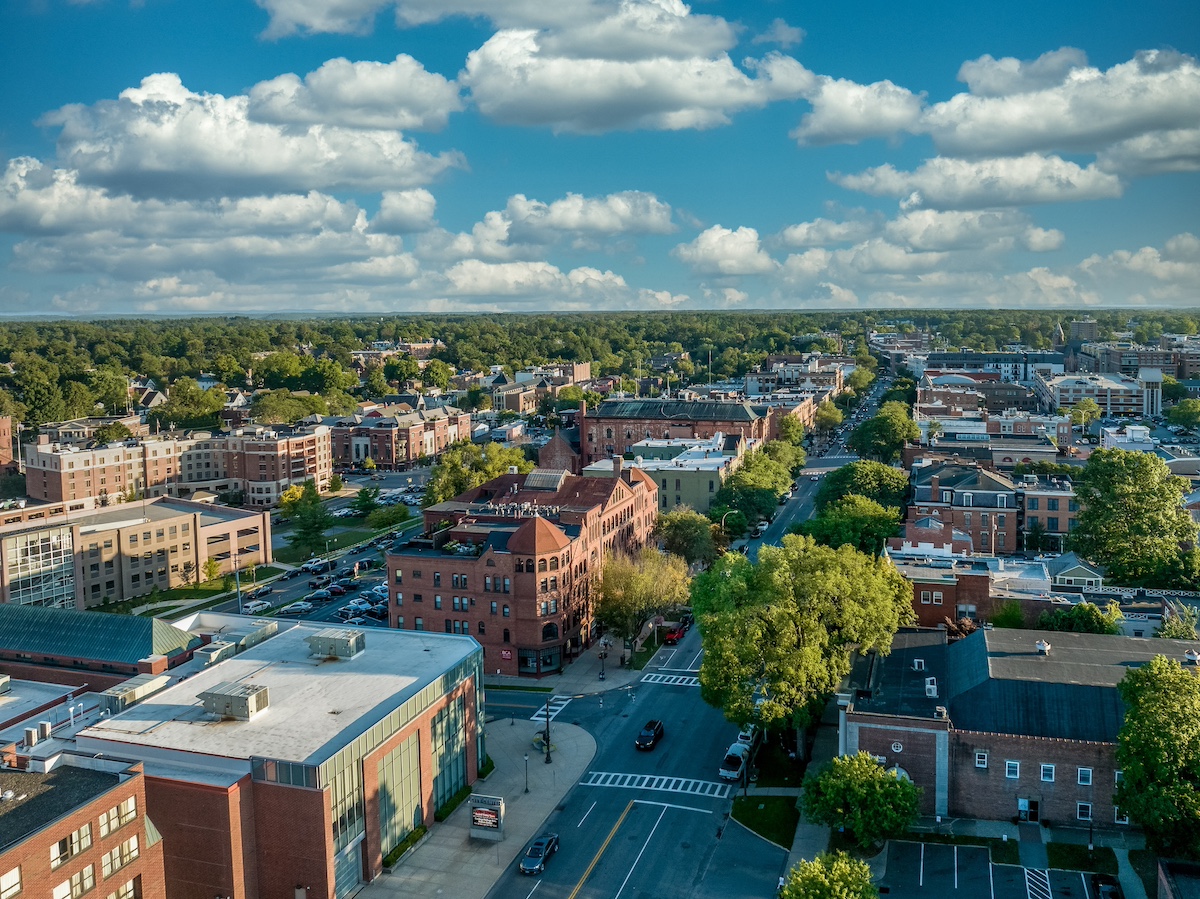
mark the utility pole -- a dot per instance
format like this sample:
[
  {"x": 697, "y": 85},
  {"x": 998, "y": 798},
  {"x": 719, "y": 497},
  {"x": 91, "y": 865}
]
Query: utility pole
[{"x": 547, "y": 735}]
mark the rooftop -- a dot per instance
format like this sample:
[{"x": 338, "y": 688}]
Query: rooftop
[
  {"x": 39, "y": 799},
  {"x": 124, "y": 639},
  {"x": 683, "y": 411}
]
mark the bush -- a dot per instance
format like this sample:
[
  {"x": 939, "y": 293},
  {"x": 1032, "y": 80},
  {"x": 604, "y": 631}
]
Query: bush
[
  {"x": 407, "y": 843},
  {"x": 487, "y": 767},
  {"x": 452, "y": 803}
]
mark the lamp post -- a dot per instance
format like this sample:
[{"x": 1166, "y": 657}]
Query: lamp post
[
  {"x": 237, "y": 579},
  {"x": 527, "y": 772},
  {"x": 547, "y": 735}
]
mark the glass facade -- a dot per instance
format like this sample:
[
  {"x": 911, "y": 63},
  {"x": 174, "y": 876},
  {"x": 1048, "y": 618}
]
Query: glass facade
[
  {"x": 41, "y": 568},
  {"x": 449, "y": 752},
  {"x": 400, "y": 810}
]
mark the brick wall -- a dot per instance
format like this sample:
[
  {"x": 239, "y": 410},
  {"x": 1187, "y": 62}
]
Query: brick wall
[
  {"x": 917, "y": 755},
  {"x": 294, "y": 829}
]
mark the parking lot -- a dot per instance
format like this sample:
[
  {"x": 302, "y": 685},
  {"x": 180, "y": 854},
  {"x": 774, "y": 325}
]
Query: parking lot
[{"x": 925, "y": 870}]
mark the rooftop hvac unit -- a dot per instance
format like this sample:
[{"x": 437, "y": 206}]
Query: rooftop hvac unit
[
  {"x": 5, "y": 683},
  {"x": 214, "y": 652},
  {"x": 44, "y": 730},
  {"x": 1042, "y": 647},
  {"x": 31, "y": 736},
  {"x": 122, "y": 696},
  {"x": 241, "y": 701},
  {"x": 337, "y": 643},
  {"x": 918, "y": 664}
]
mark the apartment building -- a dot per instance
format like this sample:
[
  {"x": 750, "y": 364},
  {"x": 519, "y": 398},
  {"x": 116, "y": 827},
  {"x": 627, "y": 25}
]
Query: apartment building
[
  {"x": 72, "y": 825},
  {"x": 396, "y": 439},
  {"x": 815, "y": 374},
  {"x": 260, "y": 463},
  {"x": 1116, "y": 395},
  {"x": 976, "y": 501},
  {"x": 1011, "y": 365},
  {"x": 84, "y": 558},
  {"x": 512, "y": 563},
  {"x": 1125, "y": 358},
  {"x": 1049, "y": 511}
]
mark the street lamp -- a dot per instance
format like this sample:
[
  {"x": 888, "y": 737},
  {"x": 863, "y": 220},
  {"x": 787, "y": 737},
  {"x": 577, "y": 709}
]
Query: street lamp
[
  {"x": 547, "y": 735},
  {"x": 527, "y": 772}
]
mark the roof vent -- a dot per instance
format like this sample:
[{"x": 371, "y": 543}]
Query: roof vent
[
  {"x": 240, "y": 701},
  {"x": 337, "y": 643},
  {"x": 45, "y": 728},
  {"x": 940, "y": 712},
  {"x": 1192, "y": 656},
  {"x": 1043, "y": 648}
]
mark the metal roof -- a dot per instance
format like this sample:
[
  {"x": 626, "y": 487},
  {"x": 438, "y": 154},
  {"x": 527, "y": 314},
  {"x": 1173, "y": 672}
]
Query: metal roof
[
  {"x": 102, "y": 636},
  {"x": 682, "y": 411}
]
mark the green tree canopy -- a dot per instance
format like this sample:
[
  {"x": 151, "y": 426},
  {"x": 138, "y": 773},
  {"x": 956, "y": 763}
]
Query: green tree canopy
[
  {"x": 467, "y": 465},
  {"x": 1185, "y": 414},
  {"x": 188, "y": 406},
  {"x": 112, "y": 433},
  {"x": 279, "y": 407},
  {"x": 365, "y": 501},
  {"x": 1179, "y": 624},
  {"x": 883, "y": 436},
  {"x": 1083, "y": 618},
  {"x": 829, "y": 417},
  {"x": 1172, "y": 390},
  {"x": 791, "y": 430},
  {"x": 852, "y": 520},
  {"x": 632, "y": 589},
  {"x": 1131, "y": 517},
  {"x": 789, "y": 455},
  {"x": 401, "y": 368},
  {"x": 687, "y": 534},
  {"x": 1084, "y": 412},
  {"x": 1158, "y": 750},
  {"x": 829, "y": 876},
  {"x": 437, "y": 373},
  {"x": 855, "y": 792},
  {"x": 874, "y": 480},
  {"x": 310, "y": 518},
  {"x": 782, "y": 629}
]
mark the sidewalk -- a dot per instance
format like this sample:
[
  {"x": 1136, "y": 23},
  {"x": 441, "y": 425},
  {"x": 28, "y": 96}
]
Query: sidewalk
[
  {"x": 448, "y": 862},
  {"x": 580, "y": 678},
  {"x": 813, "y": 839}
]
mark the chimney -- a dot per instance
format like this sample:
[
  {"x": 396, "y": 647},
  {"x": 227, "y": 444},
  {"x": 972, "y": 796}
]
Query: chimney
[
  {"x": 617, "y": 462},
  {"x": 933, "y": 488},
  {"x": 582, "y": 411}
]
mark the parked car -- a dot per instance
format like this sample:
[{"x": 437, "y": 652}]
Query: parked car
[
  {"x": 376, "y": 613},
  {"x": 319, "y": 596},
  {"x": 359, "y": 605},
  {"x": 336, "y": 590},
  {"x": 356, "y": 621},
  {"x": 733, "y": 766},
  {"x": 675, "y": 634},
  {"x": 649, "y": 735},
  {"x": 1106, "y": 886},
  {"x": 292, "y": 572},
  {"x": 539, "y": 852},
  {"x": 260, "y": 592},
  {"x": 255, "y": 606},
  {"x": 750, "y": 736},
  {"x": 297, "y": 608},
  {"x": 317, "y": 583}
]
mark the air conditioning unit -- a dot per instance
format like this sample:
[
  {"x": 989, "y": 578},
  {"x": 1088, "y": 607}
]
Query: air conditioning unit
[
  {"x": 229, "y": 700},
  {"x": 918, "y": 664},
  {"x": 122, "y": 696},
  {"x": 931, "y": 687},
  {"x": 337, "y": 643}
]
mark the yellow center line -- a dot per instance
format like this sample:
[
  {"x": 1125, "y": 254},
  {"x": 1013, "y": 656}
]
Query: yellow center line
[{"x": 612, "y": 833}]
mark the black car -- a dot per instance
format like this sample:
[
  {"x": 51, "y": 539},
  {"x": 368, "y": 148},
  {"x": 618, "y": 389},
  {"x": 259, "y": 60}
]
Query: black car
[
  {"x": 534, "y": 859},
  {"x": 292, "y": 572},
  {"x": 650, "y": 735}
]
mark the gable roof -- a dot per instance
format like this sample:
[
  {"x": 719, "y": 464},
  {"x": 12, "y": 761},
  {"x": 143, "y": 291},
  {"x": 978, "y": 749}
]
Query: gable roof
[{"x": 102, "y": 636}]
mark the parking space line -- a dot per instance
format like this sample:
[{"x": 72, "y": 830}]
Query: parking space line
[
  {"x": 956, "y": 867},
  {"x": 921, "y": 874},
  {"x": 991, "y": 880},
  {"x": 694, "y": 664}
]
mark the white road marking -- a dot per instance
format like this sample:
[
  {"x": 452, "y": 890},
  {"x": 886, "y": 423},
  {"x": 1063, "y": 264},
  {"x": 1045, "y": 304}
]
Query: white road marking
[
  {"x": 665, "y": 655},
  {"x": 585, "y": 814},
  {"x": 694, "y": 664},
  {"x": 673, "y": 680},
  {"x": 921, "y": 876},
  {"x": 686, "y": 808},
  {"x": 956, "y": 867},
  {"x": 991, "y": 882},
  {"x": 557, "y": 704},
  {"x": 639, "y": 855},
  {"x": 534, "y": 890},
  {"x": 707, "y": 788},
  {"x": 1037, "y": 883}
]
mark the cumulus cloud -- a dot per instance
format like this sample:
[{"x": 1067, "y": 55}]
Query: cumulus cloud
[
  {"x": 396, "y": 95},
  {"x": 405, "y": 211},
  {"x": 929, "y": 229},
  {"x": 160, "y": 139},
  {"x": 477, "y": 278},
  {"x": 848, "y": 112},
  {"x": 990, "y": 77},
  {"x": 628, "y": 212},
  {"x": 358, "y": 16},
  {"x": 1154, "y": 154},
  {"x": 780, "y": 33},
  {"x": 944, "y": 183},
  {"x": 821, "y": 232},
  {"x": 720, "y": 251},
  {"x": 1081, "y": 109}
]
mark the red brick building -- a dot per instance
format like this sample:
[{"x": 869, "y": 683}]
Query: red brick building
[
  {"x": 71, "y": 825},
  {"x": 394, "y": 439},
  {"x": 974, "y": 500},
  {"x": 511, "y": 563}
]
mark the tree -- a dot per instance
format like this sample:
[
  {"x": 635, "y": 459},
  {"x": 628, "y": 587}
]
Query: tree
[
  {"x": 1009, "y": 614},
  {"x": 731, "y": 524},
  {"x": 365, "y": 501},
  {"x": 1083, "y": 618},
  {"x": 388, "y": 516},
  {"x": 374, "y": 382},
  {"x": 1172, "y": 390},
  {"x": 289, "y": 499},
  {"x": 687, "y": 534},
  {"x": 883, "y": 436},
  {"x": 632, "y": 589},
  {"x": 1158, "y": 749},
  {"x": 401, "y": 368},
  {"x": 112, "y": 433},
  {"x": 831, "y": 875},
  {"x": 789, "y": 455},
  {"x": 310, "y": 518},
  {"x": 212, "y": 569},
  {"x": 855, "y": 792},
  {"x": 828, "y": 418},
  {"x": 779, "y": 633},
  {"x": 860, "y": 379},
  {"x": 478, "y": 399},
  {"x": 1179, "y": 623},
  {"x": 437, "y": 373},
  {"x": 791, "y": 430},
  {"x": 1131, "y": 517},
  {"x": 853, "y": 520},
  {"x": 110, "y": 388},
  {"x": 1185, "y": 414},
  {"x": 1035, "y": 536},
  {"x": 881, "y": 483},
  {"x": 466, "y": 465},
  {"x": 335, "y": 483},
  {"x": 1084, "y": 412}
]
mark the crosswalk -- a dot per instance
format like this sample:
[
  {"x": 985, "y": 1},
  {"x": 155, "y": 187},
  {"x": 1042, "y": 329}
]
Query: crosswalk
[
  {"x": 1037, "y": 883},
  {"x": 557, "y": 704},
  {"x": 674, "y": 680},
  {"x": 708, "y": 788}
]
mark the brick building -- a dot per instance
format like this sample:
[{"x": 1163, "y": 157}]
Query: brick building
[
  {"x": 979, "y": 502},
  {"x": 613, "y": 427},
  {"x": 511, "y": 562},
  {"x": 300, "y": 763},
  {"x": 396, "y": 439},
  {"x": 261, "y": 463},
  {"x": 1002, "y": 724},
  {"x": 1116, "y": 395},
  {"x": 71, "y": 825}
]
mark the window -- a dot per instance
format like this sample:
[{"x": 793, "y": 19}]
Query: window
[
  {"x": 1052, "y": 524},
  {"x": 1120, "y": 776},
  {"x": 937, "y": 597},
  {"x": 10, "y": 883},
  {"x": 71, "y": 845},
  {"x": 507, "y": 637},
  {"x": 127, "y": 890},
  {"x": 492, "y": 608},
  {"x": 925, "y": 597},
  {"x": 481, "y": 629},
  {"x": 981, "y": 760},
  {"x": 1048, "y": 774},
  {"x": 1085, "y": 777},
  {"x": 506, "y": 611},
  {"x": 118, "y": 816},
  {"x": 1031, "y": 503},
  {"x": 118, "y": 857},
  {"x": 1052, "y": 505},
  {"x": 1083, "y": 811},
  {"x": 80, "y": 883},
  {"x": 1012, "y": 770},
  {"x": 437, "y": 579},
  {"x": 418, "y": 624},
  {"x": 1119, "y": 817},
  {"x": 437, "y": 601}
]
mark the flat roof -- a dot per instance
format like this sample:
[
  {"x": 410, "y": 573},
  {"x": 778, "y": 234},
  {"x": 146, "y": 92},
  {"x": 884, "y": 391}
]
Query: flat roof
[
  {"x": 316, "y": 705},
  {"x": 23, "y": 697},
  {"x": 39, "y": 799}
]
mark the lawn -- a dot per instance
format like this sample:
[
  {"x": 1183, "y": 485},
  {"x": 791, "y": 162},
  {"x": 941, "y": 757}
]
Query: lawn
[
  {"x": 776, "y": 769},
  {"x": 1003, "y": 852},
  {"x": 772, "y": 817},
  {"x": 1076, "y": 857}
]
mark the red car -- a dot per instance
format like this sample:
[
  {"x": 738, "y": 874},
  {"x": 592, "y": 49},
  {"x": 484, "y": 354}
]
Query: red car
[{"x": 675, "y": 634}]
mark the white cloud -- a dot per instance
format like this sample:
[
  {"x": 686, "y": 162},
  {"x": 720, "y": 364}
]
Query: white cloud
[
  {"x": 405, "y": 211},
  {"x": 1158, "y": 90},
  {"x": 321, "y": 16},
  {"x": 1042, "y": 240},
  {"x": 473, "y": 277},
  {"x": 358, "y": 16},
  {"x": 642, "y": 30},
  {"x": 990, "y": 77},
  {"x": 162, "y": 139},
  {"x": 780, "y": 33},
  {"x": 943, "y": 183},
  {"x": 821, "y": 232},
  {"x": 847, "y": 112},
  {"x": 661, "y": 298},
  {"x": 993, "y": 230},
  {"x": 629, "y": 212},
  {"x": 1154, "y": 154},
  {"x": 397, "y": 95},
  {"x": 721, "y": 251}
]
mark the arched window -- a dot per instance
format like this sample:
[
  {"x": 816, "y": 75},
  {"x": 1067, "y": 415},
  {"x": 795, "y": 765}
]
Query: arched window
[
  {"x": 529, "y": 565},
  {"x": 481, "y": 629},
  {"x": 520, "y": 566},
  {"x": 549, "y": 631},
  {"x": 554, "y": 563},
  {"x": 506, "y": 636},
  {"x": 608, "y": 433},
  {"x": 541, "y": 564}
]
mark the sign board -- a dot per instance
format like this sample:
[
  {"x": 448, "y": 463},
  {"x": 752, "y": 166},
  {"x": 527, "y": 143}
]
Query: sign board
[
  {"x": 487, "y": 817},
  {"x": 506, "y": 654}
]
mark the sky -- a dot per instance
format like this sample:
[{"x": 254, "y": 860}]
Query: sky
[{"x": 175, "y": 157}]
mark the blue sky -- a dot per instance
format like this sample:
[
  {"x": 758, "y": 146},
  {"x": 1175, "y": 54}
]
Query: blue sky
[{"x": 172, "y": 157}]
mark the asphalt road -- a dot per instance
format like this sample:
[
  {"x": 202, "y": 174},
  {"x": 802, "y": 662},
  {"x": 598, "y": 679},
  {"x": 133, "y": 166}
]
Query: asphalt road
[{"x": 647, "y": 824}]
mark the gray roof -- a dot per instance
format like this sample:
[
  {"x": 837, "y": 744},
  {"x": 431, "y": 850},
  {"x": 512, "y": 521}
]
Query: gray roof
[
  {"x": 683, "y": 411},
  {"x": 100, "y": 636},
  {"x": 44, "y": 798}
]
